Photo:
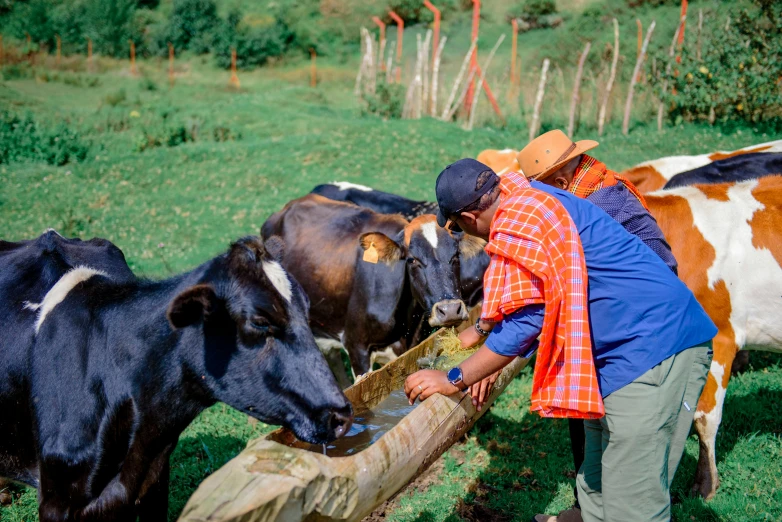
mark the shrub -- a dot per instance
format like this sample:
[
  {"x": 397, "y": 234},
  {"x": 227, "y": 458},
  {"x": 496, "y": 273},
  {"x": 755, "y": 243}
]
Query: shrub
[
  {"x": 17, "y": 71},
  {"x": 22, "y": 139},
  {"x": 115, "y": 98},
  {"x": 110, "y": 25},
  {"x": 738, "y": 75},
  {"x": 387, "y": 102},
  {"x": 254, "y": 45},
  {"x": 531, "y": 10},
  {"x": 192, "y": 26}
]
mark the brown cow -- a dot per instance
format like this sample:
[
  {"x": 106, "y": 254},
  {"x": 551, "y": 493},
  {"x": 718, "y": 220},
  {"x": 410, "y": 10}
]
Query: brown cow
[
  {"x": 371, "y": 277},
  {"x": 726, "y": 238}
]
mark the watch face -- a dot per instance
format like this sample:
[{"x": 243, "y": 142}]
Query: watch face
[{"x": 455, "y": 374}]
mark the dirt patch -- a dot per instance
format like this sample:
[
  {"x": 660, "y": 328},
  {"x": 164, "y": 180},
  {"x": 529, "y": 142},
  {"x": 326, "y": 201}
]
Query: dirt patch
[
  {"x": 477, "y": 511},
  {"x": 420, "y": 485}
]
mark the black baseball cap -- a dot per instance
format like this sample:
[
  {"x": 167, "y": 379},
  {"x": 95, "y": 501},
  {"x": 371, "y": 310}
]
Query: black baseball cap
[{"x": 455, "y": 188}]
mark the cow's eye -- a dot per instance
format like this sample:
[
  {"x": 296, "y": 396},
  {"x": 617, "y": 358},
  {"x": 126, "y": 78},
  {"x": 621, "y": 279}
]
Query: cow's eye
[
  {"x": 413, "y": 261},
  {"x": 261, "y": 325}
]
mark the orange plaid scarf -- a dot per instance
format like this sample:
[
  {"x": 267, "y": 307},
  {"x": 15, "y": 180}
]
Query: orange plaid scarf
[
  {"x": 591, "y": 175},
  {"x": 536, "y": 257}
]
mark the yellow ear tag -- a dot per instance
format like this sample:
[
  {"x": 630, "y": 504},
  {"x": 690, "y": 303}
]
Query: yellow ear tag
[{"x": 370, "y": 254}]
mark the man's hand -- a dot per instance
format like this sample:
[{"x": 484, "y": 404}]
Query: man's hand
[
  {"x": 481, "y": 390},
  {"x": 424, "y": 383}
]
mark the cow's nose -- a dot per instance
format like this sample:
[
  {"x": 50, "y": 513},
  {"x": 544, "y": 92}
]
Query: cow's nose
[
  {"x": 448, "y": 313},
  {"x": 340, "y": 421}
]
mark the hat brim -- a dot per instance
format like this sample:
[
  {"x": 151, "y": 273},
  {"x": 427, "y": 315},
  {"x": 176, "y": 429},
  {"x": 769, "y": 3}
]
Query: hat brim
[
  {"x": 442, "y": 221},
  {"x": 581, "y": 147}
]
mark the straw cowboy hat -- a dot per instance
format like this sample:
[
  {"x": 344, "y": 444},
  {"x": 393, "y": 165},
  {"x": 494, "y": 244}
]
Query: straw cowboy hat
[{"x": 548, "y": 152}]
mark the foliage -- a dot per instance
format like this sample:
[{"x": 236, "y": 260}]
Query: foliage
[
  {"x": 109, "y": 23},
  {"x": 192, "y": 26},
  {"x": 23, "y": 139},
  {"x": 254, "y": 45},
  {"x": 532, "y": 9},
  {"x": 738, "y": 75},
  {"x": 387, "y": 102},
  {"x": 116, "y": 97}
]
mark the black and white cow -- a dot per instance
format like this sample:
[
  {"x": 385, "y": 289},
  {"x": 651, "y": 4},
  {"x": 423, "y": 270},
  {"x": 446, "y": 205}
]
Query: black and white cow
[
  {"x": 371, "y": 277},
  {"x": 736, "y": 168},
  {"x": 100, "y": 372}
]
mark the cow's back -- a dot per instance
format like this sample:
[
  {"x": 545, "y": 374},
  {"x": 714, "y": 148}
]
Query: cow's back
[
  {"x": 728, "y": 241},
  {"x": 28, "y": 271},
  {"x": 321, "y": 241},
  {"x": 733, "y": 169}
]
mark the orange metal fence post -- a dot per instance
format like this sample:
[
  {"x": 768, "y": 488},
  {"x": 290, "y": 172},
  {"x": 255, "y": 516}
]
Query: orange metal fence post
[
  {"x": 476, "y": 18},
  {"x": 2, "y": 51},
  {"x": 436, "y": 28},
  {"x": 400, "y": 31},
  {"x": 683, "y": 18},
  {"x": 234, "y": 77},
  {"x": 513, "y": 51},
  {"x": 170, "y": 64},
  {"x": 313, "y": 70},
  {"x": 59, "y": 49},
  {"x": 382, "y": 26},
  {"x": 132, "y": 58},
  {"x": 490, "y": 95}
]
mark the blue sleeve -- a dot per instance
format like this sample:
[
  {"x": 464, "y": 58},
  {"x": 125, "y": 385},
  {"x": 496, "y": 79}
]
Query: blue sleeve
[
  {"x": 517, "y": 332},
  {"x": 624, "y": 207}
]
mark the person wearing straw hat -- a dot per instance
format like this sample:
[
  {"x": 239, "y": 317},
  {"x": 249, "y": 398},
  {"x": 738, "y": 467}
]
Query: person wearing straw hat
[{"x": 622, "y": 342}]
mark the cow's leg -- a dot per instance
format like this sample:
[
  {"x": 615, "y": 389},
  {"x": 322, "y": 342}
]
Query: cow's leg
[
  {"x": 153, "y": 500},
  {"x": 709, "y": 415},
  {"x": 740, "y": 363}
]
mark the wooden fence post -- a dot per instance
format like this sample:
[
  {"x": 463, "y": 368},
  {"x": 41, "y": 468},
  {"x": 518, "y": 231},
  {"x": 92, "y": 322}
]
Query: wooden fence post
[
  {"x": 381, "y": 52},
  {"x": 170, "y": 64},
  {"x": 482, "y": 81},
  {"x": 313, "y": 69},
  {"x": 436, "y": 26},
  {"x": 59, "y": 50},
  {"x": 577, "y": 90},
  {"x": 89, "y": 54},
  {"x": 435, "y": 77},
  {"x": 535, "y": 125},
  {"x": 681, "y": 32},
  {"x": 607, "y": 98},
  {"x": 458, "y": 80},
  {"x": 476, "y": 19},
  {"x": 400, "y": 32},
  {"x": 638, "y": 63},
  {"x": 234, "y": 81},
  {"x": 2, "y": 51},
  {"x": 661, "y": 106},
  {"x": 133, "y": 70},
  {"x": 513, "y": 54}
]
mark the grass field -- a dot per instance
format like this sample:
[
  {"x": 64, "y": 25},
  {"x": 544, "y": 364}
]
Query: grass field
[{"x": 171, "y": 208}]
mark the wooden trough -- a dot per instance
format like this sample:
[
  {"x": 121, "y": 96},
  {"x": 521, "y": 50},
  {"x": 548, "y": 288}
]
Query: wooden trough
[{"x": 273, "y": 480}]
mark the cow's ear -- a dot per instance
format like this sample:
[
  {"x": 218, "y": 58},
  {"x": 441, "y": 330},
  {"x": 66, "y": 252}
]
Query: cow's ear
[
  {"x": 275, "y": 248},
  {"x": 191, "y": 306},
  {"x": 379, "y": 247},
  {"x": 470, "y": 246}
]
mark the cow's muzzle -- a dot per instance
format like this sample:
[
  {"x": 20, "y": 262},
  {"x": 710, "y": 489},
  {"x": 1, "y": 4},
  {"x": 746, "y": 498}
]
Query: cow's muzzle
[{"x": 450, "y": 312}]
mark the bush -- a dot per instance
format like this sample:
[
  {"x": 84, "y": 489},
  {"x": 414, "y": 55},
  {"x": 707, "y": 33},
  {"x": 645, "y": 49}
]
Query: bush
[
  {"x": 388, "y": 101},
  {"x": 110, "y": 25},
  {"x": 531, "y": 10},
  {"x": 738, "y": 76},
  {"x": 254, "y": 45},
  {"x": 22, "y": 139},
  {"x": 192, "y": 26},
  {"x": 115, "y": 98}
]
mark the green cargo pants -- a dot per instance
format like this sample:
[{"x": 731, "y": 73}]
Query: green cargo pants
[{"x": 632, "y": 453}]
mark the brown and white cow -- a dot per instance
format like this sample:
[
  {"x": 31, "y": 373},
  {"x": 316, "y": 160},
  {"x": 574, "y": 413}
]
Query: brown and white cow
[
  {"x": 654, "y": 174},
  {"x": 727, "y": 239}
]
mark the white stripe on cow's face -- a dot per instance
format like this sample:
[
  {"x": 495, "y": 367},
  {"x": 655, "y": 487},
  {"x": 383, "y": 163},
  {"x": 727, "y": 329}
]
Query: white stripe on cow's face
[
  {"x": 429, "y": 230},
  {"x": 60, "y": 291},
  {"x": 278, "y": 278},
  {"x": 345, "y": 185}
]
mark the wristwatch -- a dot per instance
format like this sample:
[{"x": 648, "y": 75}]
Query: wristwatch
[{"x": 455, "y": 377}]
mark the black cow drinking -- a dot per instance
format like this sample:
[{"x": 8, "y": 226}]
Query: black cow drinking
[{"x": 100, "y": 372}]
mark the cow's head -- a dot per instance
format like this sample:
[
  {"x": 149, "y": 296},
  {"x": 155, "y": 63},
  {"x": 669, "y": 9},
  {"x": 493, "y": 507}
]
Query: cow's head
[
  {"x": 432, "y": 256},
  {"x": 255, "y": 350}
]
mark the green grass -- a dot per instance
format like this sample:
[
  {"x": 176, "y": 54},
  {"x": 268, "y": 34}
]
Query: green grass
[{"x": 170, "y": 209}]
